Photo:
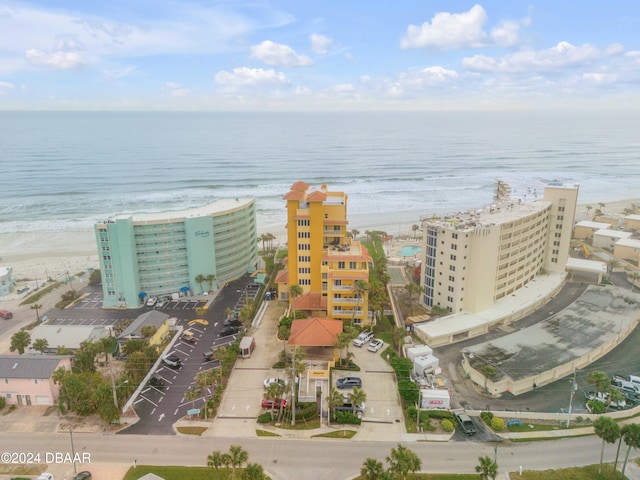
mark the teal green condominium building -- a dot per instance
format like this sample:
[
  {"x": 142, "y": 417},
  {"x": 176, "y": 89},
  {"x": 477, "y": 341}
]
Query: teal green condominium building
[{"x": 157, "y": 254}]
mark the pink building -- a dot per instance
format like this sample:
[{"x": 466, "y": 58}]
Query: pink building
[{"x": 26, "y": 379}]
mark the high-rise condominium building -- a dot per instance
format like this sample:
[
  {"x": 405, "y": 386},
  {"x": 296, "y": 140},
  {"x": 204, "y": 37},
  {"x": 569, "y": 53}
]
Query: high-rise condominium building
[
  {"x": 331, "y": 267},
  {"x": 472, "y": 259},
  {"x": 158, "y": 254}
]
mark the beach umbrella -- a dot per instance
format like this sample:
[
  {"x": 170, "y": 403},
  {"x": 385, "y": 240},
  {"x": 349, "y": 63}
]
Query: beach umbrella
[
  {"x": 184, "y": 289},
  {"x": 142, "y": 294}
]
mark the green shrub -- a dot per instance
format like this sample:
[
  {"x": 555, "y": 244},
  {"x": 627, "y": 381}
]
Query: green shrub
[
  {"x": 497, "y": 424},
  {"x": 486, "y": 417},
  {"x": 412, "y": 412},
  {"x": 442, "y": 414},
  {"x": 409, "y": 391},
  {"x": 264, "y": 417},
  {"x": 447, "y": 425},
  {"x": 596, "y": 407},
  {"x": 347, "y": 417},
  {"x": 307, "y": 411},
  {"x": 402, "y": 367},
  {"x": 3, "y": 402}
]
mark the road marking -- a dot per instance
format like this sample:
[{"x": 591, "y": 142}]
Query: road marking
[
  {"x": 154, "y": 404},
  {"x": 161, "y": 417},
  {"x": 138, "y": 401},
  {"x": 153, "y": 411},
  {"x": 176, "y": 412}
]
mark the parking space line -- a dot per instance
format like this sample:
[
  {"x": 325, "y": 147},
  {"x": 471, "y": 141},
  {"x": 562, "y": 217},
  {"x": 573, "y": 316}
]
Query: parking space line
[{"x": 154, "y": 404}]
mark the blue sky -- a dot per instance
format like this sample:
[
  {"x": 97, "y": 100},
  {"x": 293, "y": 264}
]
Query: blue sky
[{"x": 319, "y": 55}]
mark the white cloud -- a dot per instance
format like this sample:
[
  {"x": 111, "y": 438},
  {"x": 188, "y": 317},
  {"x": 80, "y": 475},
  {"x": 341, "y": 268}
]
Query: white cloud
[
  {"x": 426, "y": 78},
  {"x": 59, "y": 60},
  {"x": 176, "y": 90},
  {"x": 449, "y": 30},
  {"x": 599, "y": 78},
  {"x": 320, "y": 44},
  {"x": 277, "y": 54},
  {"x": 5, "y": 87},
  {"x": 562, "y": 55},
  {"x": 343, "y": 88},
  {"x": 116, "y": 73},
  {"x": 68, "y": 43},
  {"x": 506, "y": 34},
  {"x": 245, "y": 76}
]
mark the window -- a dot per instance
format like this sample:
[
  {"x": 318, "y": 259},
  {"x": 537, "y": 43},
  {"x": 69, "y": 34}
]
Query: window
[
  {"x": 304, "y": 281},
  {"x": 452, "y": 278},
  {"x": 304, "y": 234},
  {"x": 304, "y": 246},
  {"x": 452, "y": 268},
  {"x": 303, "y": 223},
  {"x": 454, "y": 246},
  {"x": 449, "y": 299},
  {"x": 341, "y": 265},
  {"x": 353, "y": 265},
  {"x": 450, "y": 288},
  {"x": 454, "y": 236},
  {"x": 453, "y": 257}
]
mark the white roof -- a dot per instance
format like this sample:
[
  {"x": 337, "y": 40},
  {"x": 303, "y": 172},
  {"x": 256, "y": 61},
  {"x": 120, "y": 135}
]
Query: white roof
[
  {"x": 632, "y": 217},
  {"x": 591, "y": 224},
  {"x": 212, "y": 209},
  {"x": 613, "y": 233},
  {"x": 584, "y": 265},
  {"x": 69, "y": 336},
  {"x": 628, "y": 242},
  {"x": 435, "y": 392}
]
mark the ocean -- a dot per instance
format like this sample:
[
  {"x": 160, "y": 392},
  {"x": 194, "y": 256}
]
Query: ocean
[{"x": 60, "y": 172}]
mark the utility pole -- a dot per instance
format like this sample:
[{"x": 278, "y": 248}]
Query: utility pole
[
  {"x": 293, "y": 386},
  {"x": 419, "y": 406},
  {"x": 73, "y": 452},
  {"x": 574, "y": 386},
  {"x": 113, "y": 387}
]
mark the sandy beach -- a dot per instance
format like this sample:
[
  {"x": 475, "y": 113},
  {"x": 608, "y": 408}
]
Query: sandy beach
[{"x": 50, "y": 254}]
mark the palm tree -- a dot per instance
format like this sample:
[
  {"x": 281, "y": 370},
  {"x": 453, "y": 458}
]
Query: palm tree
[
  {"x": 588, "y": 208},
  {"x": 631, "y": 435},
  {"x": 239, "y": 457},
  {"x": 192, "y": 394},
  {"x": 36, "y": 307},
  {"x": 357, "y": 397},
  {"x": 415, "y": 228},
  {"x": 334, "y": 399},
  {"x": 354, "y": 233},
  {"x": 200, "y": 279},
  {"x": 263, "y": 238},
  {"x": 488, "y": 371},
  {"x": 295, "y": 291},
  {"x": 214, "y": 460},
  {"x": 40, "y": 344},
  {"x": 270, "y": 237},
  {"x": 358, "y": 289},
  {"x": 19, "y": 341},
  {"x": 210, "y": 279},
  {"x": 633, "y": 277},
  {"x": 600, "y": 381},
  {"x": 372, "y": 469},
  {"x": 609, "y": 431},
  {"x": 402, "y": 461},
  {"x": 487, "y": 468},
  {"x": 253, "y": 471}
]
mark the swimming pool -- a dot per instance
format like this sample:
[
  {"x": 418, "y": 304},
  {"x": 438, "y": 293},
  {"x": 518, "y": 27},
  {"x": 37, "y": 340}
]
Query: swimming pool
[{"x": 409, "y": 250}]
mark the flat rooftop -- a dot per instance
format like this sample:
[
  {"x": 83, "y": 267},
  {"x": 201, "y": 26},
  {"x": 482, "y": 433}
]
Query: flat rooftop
[
  {"x": 217, "y": 207},
  {"x": 595, "y": 318}
]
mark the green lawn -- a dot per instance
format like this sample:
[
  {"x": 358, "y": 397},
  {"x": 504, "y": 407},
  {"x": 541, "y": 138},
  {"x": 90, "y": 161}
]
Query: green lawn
[{"x": 176, "y": 473}]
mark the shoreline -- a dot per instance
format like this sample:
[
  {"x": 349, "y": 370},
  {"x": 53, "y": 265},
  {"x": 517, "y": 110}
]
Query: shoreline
[{"x": 39, "y": 254}]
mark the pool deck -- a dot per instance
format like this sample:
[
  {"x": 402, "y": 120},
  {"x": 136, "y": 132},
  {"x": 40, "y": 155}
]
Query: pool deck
[{"x": 393, "y": 248}]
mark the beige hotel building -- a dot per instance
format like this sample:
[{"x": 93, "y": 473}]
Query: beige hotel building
[{"x": 472, "y": 259}]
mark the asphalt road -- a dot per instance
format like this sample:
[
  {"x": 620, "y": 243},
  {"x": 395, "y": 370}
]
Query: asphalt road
[{"x": 313, "y": 459}]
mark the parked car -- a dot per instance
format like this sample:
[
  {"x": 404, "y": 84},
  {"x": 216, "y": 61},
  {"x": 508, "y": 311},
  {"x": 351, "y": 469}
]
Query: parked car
[
  {"x": 6, "y": 314},
  {"x": 465, "y": 423},
  {"x": 163, "y": 303},
  {"x": 349, "y": 382},
  {"x": 230, "y": 330},
  {"x": 45, "y": 476},
  {"x": 83, "y": 476},
  {"x": 172, "y": 361},
  {"x": 604, "y": 398},
  {"x": 156, "y": 381},
  {"x": 233, "y": 322},
  {"x": 363, "y": 338},
  {"x": 272, "y": 380},
  {"x": 188, "y": 336},
  {"x": 270, "y": 404},
  {"x": 348, "y": 407},
  {"x": 375, "y": 345},
  {"x": 151, "y": 301},
  {"x": 208, "y": 356}
]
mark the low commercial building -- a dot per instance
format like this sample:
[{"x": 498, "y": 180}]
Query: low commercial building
[
  {"x": 607, "y": 238},
  {"x": 152, "y": 318},
  {"x": 156, "y": 254},
  {"x": 627, "y": 249},
  {"x": 6, "y": 281},
  {"x": 584, "y": 230},
  {"x": 68, "y": 336},
  {"x": 26, "y": 379},
  {"x": 631, "y": 222}
]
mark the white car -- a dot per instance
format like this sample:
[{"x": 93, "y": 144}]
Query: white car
[
  {"x": 363, "y": 338},
  {"x": 273, "y": 380},
  {"x": 375, "y": 345},
  {"x": 151, "y": 301},
  {"x": 45, "y": 476}
]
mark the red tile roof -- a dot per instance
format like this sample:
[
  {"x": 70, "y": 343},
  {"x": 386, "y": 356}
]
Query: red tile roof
[
  {"x": 311, "y": 301},
  {"x": 283, "y": 276},
  {"x": 315, "y": 332},
  {"x": 317, "y": 196}
]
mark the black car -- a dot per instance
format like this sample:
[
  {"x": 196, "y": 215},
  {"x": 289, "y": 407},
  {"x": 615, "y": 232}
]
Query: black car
[
  {"x": 349, "y": 382},
  {"x": 465, "y": 423},
  {"x": 230, "y": 330},
  {"x": 83, "y": 476},
  {"x": 172, "y": 361},
  {"x": 232, "y": 322},
  {"x": 156, "y": 381},
  {"x": 208, "y": 356}
]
